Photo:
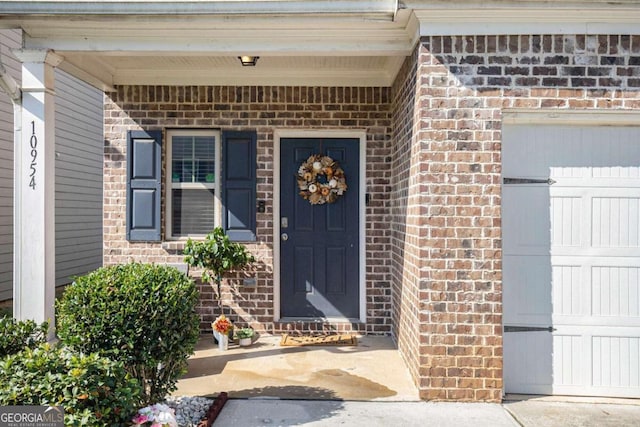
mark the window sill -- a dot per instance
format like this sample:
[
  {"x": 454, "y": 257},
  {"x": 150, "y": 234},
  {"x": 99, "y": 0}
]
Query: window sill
[
  {"x": 179, "y": 244},
  {"x": 174, "y": 245}
]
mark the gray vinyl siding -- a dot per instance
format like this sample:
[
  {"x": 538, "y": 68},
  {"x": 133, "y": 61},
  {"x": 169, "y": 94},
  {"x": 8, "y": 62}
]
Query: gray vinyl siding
[
  {"x": 79, "y": 145},
  {"x": 79, "y": 142},
  {"x": 8, "y": 39}
]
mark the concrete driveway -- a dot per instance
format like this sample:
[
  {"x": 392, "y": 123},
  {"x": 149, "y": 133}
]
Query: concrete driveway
[
  {"x": 264, "y": 413},
  {"x": 527, "y": 413},
  {"x": 574, "y": 412}
]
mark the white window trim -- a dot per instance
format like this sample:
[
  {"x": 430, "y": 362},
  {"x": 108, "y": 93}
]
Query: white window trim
[{"x": 169, "y": 185}]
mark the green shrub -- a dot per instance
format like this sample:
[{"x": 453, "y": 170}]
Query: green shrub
[
  {"x": 93, "y": 390},
  {"x": 16, "y": 335},
  {"x": 6, "y": 312},
  {"x": 140, "y": 314}
]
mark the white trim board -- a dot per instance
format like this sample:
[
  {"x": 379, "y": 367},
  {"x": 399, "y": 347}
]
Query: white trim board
[
  {"x": 528, "y": 20},
  {"x": 575, "y": 117},
  {"x": 319, "y": 133},
  {"x": 217, "y": 207},
  {"x": 375, "y": 9}
]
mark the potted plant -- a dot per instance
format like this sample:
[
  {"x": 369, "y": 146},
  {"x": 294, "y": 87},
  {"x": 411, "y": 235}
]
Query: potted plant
[
  {"x": 222, "y": 328},
  {"x": 216, "y": 255},
  {"x": 245, "y": 336}
]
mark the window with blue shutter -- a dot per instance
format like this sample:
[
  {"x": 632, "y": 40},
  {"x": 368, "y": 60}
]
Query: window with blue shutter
[
  {"x": 144, "y": 156},
  {"x": 204, "y": 189},
  {"x": 239, "y": 185},
  {"x": 192, "y": 184}
]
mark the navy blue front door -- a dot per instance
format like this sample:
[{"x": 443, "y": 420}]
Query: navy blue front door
[{"x": 319, "y": 244}]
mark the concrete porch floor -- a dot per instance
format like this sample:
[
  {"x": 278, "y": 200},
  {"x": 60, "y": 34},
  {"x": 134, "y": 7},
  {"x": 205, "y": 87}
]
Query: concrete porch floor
[{"x": 371, "y": 371}]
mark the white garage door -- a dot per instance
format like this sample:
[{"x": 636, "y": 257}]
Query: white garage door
[{"x": 571, "y": 260}]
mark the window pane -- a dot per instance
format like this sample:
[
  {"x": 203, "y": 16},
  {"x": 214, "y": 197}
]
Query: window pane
[
  {"x": 193, "y": 159},
  {"x": 181, "y": 158},
  {"x": 204, "y": 159},
  {"x": 192, "y": 211}
]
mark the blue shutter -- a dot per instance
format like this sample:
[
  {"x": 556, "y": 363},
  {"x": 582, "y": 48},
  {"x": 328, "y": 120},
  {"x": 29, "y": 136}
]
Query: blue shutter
[
  {"x": 144, "y": 174},
  {"x": 239, "y": 185}
]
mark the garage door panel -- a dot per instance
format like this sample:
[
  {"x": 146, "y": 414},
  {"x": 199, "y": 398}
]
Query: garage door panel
[
  {"x": 559, "y": 322},
  {"x": 586, "y": 226},
  {"x": 566, "y": 226},
  {"x": 524, "y": 369},
  {"x": 526, "y": 221},
  {"x": 615, "y": 292},
  {"x": 533, "y": 293},
  {"x": 568, "y": 151},
  {"x": 631, "y": 172},
  {"x": 589, "y": 181},
  {"x": 615, "y": 221},
  {"x": 615, "y": 361},
  {"x": 568, "y": 354},
  {"x": 569, "y": 291}
]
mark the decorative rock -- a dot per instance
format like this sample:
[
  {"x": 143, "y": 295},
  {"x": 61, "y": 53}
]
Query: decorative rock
[{"x": 189, "y": 410}]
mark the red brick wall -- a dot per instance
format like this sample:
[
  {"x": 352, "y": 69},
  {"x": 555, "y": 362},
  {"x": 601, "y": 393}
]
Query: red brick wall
[
  {"x": 260, "y": 109},
  {"x": 452, "y": 229},
  {"x": 405, "y": 210},
  {"x": 433, "y": 173}
]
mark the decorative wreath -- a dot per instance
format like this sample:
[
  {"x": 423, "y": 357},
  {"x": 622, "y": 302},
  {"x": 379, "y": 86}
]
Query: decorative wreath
[{"x": 321, "y": 180}]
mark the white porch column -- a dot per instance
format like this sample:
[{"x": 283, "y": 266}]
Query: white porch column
[{"x": 34, "y": 191}]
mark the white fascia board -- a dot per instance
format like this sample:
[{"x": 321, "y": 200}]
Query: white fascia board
[
  {"x": 383, "y": 8},
  {"x": 285, "y": 35},
  {"x": 268, "y": 43},
  {"x": 412, "y": 26},
  {"x": 42, "y": 55},
  {"x": 524, "y": 20},
  {"x": 89, "y": 69},
  {"x": 95, "y": 76},
  {"x": 103, "y": 24},
  {"x": 514, "y": 4}
]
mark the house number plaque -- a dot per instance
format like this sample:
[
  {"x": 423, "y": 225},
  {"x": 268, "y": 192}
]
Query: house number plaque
[{"x": 33, "y": 143}]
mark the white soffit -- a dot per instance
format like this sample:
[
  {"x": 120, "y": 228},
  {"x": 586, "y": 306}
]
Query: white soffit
[
  {"x": 314, "y": 42},
  {"x": 227, "y": 70}
]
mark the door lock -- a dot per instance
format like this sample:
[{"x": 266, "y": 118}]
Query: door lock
[{"x": 284, "y": 237}]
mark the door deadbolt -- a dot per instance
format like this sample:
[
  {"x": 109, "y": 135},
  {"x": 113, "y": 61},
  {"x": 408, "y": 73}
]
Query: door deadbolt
[{"x": 284, "y": 237}]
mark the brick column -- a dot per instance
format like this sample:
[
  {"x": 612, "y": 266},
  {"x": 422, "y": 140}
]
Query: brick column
[{"x": 460, "y": 293}]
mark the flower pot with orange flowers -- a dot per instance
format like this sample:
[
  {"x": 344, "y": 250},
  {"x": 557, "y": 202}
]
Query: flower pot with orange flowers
[{"x": 222, "y": 329}]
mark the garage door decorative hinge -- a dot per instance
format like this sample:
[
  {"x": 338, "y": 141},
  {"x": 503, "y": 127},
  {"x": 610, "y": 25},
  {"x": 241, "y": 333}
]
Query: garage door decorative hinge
[
  {"x": 527, "y": 181},
  {"x": 528, "y": 328}
]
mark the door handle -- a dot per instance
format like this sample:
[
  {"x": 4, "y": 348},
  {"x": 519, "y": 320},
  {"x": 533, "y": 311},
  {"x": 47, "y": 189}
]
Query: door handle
[{"x": 284, "y": 237}]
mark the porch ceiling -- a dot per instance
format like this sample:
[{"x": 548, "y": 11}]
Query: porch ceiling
[
  {"x": 202, "y": 69},
  {"x": 332, "y": 49}
]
